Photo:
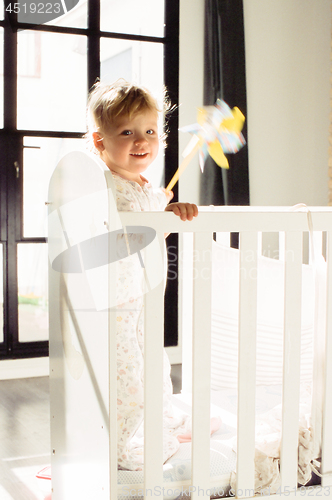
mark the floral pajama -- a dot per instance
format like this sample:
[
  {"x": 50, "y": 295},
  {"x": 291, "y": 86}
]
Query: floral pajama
[{"x": 130, "y": 196}]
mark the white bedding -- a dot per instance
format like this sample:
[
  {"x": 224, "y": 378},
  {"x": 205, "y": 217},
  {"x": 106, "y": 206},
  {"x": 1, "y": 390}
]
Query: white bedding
[
  {"x": 270, "y": 316},
  {"x": 177, "y": 470}
]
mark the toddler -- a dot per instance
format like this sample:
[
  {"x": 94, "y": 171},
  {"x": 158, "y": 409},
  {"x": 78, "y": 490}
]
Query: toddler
[{"x": 123, "y": 128}]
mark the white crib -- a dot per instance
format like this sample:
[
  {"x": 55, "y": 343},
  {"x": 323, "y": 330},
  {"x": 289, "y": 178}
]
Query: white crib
[{"x": 83, "y": 347}]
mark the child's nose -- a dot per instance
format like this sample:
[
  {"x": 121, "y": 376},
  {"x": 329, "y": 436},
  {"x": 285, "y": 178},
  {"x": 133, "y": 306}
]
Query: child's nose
[{"x": 139, "y": 140}]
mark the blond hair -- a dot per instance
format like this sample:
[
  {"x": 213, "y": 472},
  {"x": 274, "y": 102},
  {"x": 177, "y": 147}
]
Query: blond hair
[{"x": 106, "y": 103}]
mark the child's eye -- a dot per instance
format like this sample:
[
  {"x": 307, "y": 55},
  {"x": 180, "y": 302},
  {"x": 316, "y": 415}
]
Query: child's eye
[
  {"x": 126, "y": 132},
  {"x": 150, "y": 131}
]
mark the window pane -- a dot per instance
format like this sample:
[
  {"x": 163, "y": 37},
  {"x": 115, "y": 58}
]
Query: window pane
[
  {"x": 141, "y": 63},
  {"x": 1, "y": 78},
  {"x": 41, "y": 156},
  {"x": 52, "y": 81},
  {"x": 143, "y": 17},
  {"x": 1, "y": 293},
  {"x": 32, "y": 292}
]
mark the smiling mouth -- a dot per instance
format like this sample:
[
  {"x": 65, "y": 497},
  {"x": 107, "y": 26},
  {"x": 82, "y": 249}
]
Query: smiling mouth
[{"x": 138, "y": 154}]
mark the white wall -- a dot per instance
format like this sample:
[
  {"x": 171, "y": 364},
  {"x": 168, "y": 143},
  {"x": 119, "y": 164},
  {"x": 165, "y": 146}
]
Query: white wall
[
  {"x": 191, "y": 88},
  {"x": 288, "y": 92}
]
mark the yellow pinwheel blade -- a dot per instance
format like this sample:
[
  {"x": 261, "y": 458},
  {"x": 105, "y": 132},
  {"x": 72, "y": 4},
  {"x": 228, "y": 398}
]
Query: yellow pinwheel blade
[
  {"x": 216, "y": 152},
  {"x": 234, "y": 124}
]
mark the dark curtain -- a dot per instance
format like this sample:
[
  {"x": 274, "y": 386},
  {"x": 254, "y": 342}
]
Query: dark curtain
[{"x": 224, "y": 78}]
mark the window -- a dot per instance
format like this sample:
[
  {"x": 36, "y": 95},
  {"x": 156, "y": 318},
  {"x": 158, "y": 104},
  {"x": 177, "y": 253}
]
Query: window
[{"x": 45, "y": 73}]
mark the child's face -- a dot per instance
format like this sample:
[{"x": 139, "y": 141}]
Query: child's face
[{"x": 129, "y": 146}]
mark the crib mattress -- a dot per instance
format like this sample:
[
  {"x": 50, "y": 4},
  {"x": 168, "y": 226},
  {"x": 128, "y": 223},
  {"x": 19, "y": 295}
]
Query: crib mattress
[{"x": 177, "y": 470}]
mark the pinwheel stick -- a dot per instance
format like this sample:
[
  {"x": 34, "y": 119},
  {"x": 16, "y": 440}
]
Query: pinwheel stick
[{"x": 183, "y": 166}]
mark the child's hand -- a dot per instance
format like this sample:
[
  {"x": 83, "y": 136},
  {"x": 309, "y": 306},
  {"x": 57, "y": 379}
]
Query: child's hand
[{"x": 186, "y": 211}]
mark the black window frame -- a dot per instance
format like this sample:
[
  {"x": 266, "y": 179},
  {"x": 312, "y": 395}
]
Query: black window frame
[{"x": 11, "y": 154}]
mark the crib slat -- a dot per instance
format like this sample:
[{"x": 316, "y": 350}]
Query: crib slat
[
  {"x": 113, "y": 458},
  {"x": 112, "y": 377},
  {"x": 153, "y": 379},
  {"x": 317, "y": 245},
  {"x": 200, "y": 460},
  {"x": 327, "y": 417},
  {"x": 247, "y": 363},
  {"x": 186, "y": 307},
  {"x": 292, "y": 359},
  {"x": 319, "y": 342}
]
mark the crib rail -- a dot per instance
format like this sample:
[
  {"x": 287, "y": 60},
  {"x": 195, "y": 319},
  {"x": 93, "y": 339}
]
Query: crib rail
[{"x": 236, "y": 219}]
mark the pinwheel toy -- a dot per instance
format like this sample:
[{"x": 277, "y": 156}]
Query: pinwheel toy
[{"x": 217, "y": 131}]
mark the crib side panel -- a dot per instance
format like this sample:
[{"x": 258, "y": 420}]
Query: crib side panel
[
  {"x": 293, "y": 228},
  {"x": 79, "y": 408},
  {"x": 78, "y": 337}
]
